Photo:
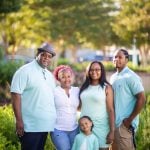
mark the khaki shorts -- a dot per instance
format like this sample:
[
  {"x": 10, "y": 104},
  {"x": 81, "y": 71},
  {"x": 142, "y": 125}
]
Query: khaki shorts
[{"x": 124, "y": 138}]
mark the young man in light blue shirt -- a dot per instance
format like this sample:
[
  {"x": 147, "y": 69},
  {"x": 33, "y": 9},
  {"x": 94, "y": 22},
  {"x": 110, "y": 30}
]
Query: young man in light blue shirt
[
  {"x": 129, "y": 100},
  {"x": 32, "y": 91}
]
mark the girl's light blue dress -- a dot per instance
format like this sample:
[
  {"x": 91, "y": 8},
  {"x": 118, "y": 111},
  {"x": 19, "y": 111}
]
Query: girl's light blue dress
[
  {"x": 85, "y": 142},
  {"x": 94, "y": 105}
]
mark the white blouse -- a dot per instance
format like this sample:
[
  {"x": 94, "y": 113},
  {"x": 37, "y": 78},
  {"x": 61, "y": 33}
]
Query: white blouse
[{"x": 66, "y": 108}]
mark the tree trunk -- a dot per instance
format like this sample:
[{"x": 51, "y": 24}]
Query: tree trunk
[{"x": 144, "y": 55}]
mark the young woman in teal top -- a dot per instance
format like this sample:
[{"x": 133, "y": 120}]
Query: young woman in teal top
[{"x": 96, "y": 101}]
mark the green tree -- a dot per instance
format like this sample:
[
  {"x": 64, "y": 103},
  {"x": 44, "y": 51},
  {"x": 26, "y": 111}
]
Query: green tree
[
  {"x": 133, "y": 22},
  {"x": 66, "y": 23},
  {"x": 27, "y": 26},
  {"x": 7, "y": 6},
  {"x": 81, "y": 21}
]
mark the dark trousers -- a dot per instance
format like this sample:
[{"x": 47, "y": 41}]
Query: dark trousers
[{"x": 33, "y": 140}]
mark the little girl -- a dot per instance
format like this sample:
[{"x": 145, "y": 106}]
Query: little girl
[{"x": 85, "y": 140}]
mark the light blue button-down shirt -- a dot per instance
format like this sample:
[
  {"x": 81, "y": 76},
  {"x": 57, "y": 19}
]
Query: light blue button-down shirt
[
  {"x": 126, "y": 85},
  {"x": 37, "y": 99}
]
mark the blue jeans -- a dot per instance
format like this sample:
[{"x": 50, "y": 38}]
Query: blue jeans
[
  {"x": 33, "y": 140},
  {"x": 63, "y": 140}
]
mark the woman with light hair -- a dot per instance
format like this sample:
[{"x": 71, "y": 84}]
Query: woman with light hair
[{"x": 66, "y": 103}]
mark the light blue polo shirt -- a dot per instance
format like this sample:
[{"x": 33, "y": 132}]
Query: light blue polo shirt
[
  {"x": 37, "y": 99},
  {"x": 85, "y": 142},
  {"x": 126, "y": 85}
]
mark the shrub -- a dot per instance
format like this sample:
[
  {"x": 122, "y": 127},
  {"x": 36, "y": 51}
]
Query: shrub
[
  {"x": 108, "y": 66},
  {"x": 143, "y": 133},
  {"x": 139, "y": 68},
  {"x": 63, "y": 61},
  {"x": 79, "y": 66},
  {"x": 9, "y": 141},
  {"x": 7, "y": 69},
  {"x": 8, "y": 138},
  {"x": 3, "y": 141},
  {"x": 7, "y": 129},
  {"x": 49, "y": 144}
]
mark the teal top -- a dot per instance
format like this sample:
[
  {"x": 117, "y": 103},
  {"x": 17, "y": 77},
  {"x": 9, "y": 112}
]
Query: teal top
[
  {"x": 126, "y": 85},
  {"x": 37, "y": 99},
  {"x": 94, "y": 105},
  {"x": 85, "y": 142}
]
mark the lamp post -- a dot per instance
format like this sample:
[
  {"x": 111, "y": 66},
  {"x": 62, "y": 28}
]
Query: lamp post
[{"x": 135, "y": 53}]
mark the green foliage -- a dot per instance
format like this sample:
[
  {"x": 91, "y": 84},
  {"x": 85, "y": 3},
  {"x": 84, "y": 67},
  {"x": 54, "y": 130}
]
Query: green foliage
[
  {"x": 139, "y": 68},
  {"x": 7, "y": 69},
  {"x": 7, "y": 6},
  {"x": 82, "y": 21},
  {"x": 7, "y": 130},
  {"x": 82, "y": 66},
  {"x": 73, "y": 22},
  {"x": 9, "y": 141},
  {"x": 33, "y": 21},
  {"x": 143, "y": 133},
  {"x": 3, "y": 141},
  {"x": 107, "y": 64},
  {"x": 1, "y": 52},
  {"x": 78, "y": 22},
  {"x": 79, "y": 66},
  {"x": 49, "y": 145},
  {"x": 132, "y": 21},
  {"x": 8, "y": 138},
  {"x": 63, "y": 61}
]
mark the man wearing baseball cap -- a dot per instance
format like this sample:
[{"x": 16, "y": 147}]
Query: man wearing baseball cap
[{"x": 33, "y": 100}]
